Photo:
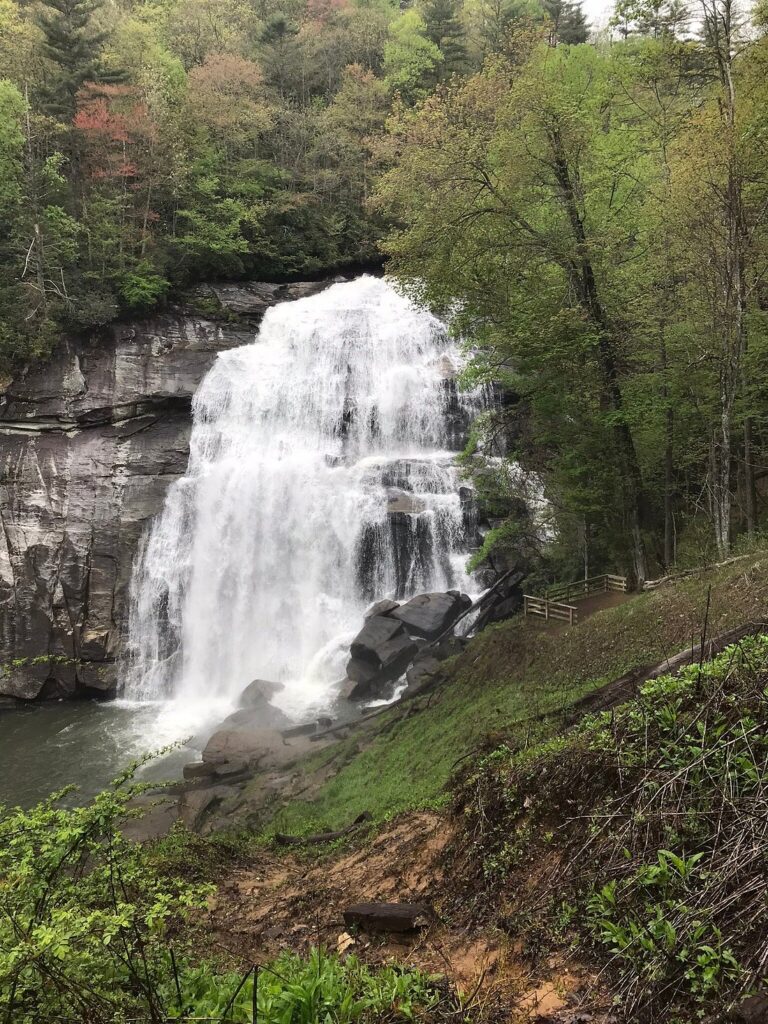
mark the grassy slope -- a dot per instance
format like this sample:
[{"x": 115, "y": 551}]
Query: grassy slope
[{"x": 507, "y": 677}]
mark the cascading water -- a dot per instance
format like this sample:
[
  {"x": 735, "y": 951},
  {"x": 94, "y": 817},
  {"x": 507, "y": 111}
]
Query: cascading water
[{"x": 321, "y": 477}]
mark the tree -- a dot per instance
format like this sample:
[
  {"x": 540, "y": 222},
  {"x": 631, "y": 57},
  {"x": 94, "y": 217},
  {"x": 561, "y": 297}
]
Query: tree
[
  {"x": 728, "y": 259},
  {"x": 410, "y": 57},
  {"x": 569, "y": 25},
  {"x": 443, "y": 27},
  {"x": 654, "y": 18},
  {"x": 72, "y": 45},
  {"x": 509, "y": 206}
]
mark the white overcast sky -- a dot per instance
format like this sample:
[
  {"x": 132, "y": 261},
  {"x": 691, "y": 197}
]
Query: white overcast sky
[{"x": 597, "y": 11}]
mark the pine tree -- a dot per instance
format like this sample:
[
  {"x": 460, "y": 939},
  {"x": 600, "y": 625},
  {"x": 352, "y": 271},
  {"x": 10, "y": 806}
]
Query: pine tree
[
  {"x": 568, "y": 22},
  {"x": 445, "y": 30},
  {"x": 71, "y": 43}
]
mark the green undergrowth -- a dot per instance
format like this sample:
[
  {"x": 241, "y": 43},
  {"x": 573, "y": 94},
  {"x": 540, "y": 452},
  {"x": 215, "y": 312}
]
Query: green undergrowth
[
  {"x": 95, "y": 929},
  {"x": 639, "y": 838},
  {"x": 513, "y": 684}
]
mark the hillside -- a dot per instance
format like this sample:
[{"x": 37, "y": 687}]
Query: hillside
[
  {"x": 486, "y": 796},
  {"x": 569, "y": 863},
  {"x": 515, "y": 683}
]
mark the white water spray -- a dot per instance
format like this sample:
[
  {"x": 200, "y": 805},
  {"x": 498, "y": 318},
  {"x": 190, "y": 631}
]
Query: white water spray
[{"x": 321, "y": 477}]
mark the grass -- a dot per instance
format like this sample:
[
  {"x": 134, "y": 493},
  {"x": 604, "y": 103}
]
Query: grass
[{"x": 501, "y": 686}]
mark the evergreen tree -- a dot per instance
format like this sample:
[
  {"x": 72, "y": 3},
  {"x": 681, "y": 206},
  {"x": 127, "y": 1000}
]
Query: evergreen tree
[
  {"x": 72, "y": 44},
  {"x": 444, "y": 28},
  {"x": 569, "y": 24}
]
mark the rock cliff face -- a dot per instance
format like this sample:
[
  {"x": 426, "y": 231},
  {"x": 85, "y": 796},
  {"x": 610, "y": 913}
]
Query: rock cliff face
[{"x": 89, "y": 444}]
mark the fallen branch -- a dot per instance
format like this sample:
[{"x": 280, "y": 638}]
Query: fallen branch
[
  {"x": 322, "y": 837},
  {"x": 476, "y": 604}
]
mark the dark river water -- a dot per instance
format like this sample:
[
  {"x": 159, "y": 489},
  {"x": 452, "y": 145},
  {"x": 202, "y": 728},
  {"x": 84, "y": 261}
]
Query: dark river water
[{"x": 48, "y": 746}]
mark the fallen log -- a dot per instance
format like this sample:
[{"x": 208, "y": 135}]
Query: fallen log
[
  {"x": 322, "y": 837},
  {"x": 484, "y": 597},
  {"x": 620, "y": 690},
  {"x": 384, "y": 917}
]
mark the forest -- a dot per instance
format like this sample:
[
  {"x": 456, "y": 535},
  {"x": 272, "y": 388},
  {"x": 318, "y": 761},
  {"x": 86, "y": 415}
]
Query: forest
[{"x": 589, "y": 208}]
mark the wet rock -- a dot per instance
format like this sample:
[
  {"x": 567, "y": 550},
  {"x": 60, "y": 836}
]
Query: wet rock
[
  {"x": 159, "y": 813},
  {"x": 377, "y": 631},
  {"x": 423, "y": 673},
  {"x": 361, "y": 673},
  {"x": 429, "y": 615},
  {"x": 261, "y": 716},
  {"x": 381, "y": 652},
  {"x": 197, "y": 770},
  {"x": 259, "y": 693},
  {"x": 346, "y": 688},
  {"x": 195, "y": 804},
  {"x": 237, "y": 747},
  {"x": 382, "y": 608},
  {"x": 506, "y": 602},
  {"x": 253, "y": 299}
]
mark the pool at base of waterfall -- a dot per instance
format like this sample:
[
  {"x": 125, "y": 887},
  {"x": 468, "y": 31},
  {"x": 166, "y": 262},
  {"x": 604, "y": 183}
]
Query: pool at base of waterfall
[
  {"x": 86, "y": 744},
  {"x": 44, "y": 747}
]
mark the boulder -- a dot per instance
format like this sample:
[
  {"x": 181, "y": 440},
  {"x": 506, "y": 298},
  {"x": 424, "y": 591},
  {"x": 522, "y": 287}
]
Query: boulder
[
  {"x": 429, "y": 615},
  {"x": 361, "y": 672},
  {"x": 503, "y": 604},
  {"x": 195, "y": 804},
  {"x": 259, "y": 692},
  {"x": 382, "y": 608},
  {"x": 259, "y": 714},
  {"x": 242, "y": 744},
  {"x": 424, "y": 671},
  {"x": 381, "y": 652},
  {"x": 377, "y": 631},
  {"x": 197, "y": 770}
]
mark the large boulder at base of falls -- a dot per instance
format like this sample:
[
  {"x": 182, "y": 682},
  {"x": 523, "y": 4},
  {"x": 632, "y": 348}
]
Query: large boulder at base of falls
[
  {"x": 259, "y": 693},
  {"x": 503, "y": 604},
  {"x": 263, "y": 716},
  {"x": 381, "y": 652},
  {"x": 426, "y": 668},
  {"x": 378, "y": 631},
  {"x": 385, "y": 607},
  {"x": 429, "y": 615},
  {"x": 237, "y": 747}
]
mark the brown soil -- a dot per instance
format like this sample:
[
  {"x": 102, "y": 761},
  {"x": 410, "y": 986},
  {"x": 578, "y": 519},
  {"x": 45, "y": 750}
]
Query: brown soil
[{"x": 283, "y": 902}]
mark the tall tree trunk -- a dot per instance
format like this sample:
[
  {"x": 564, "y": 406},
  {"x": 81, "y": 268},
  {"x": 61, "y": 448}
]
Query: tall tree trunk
[
  {"x": 720, "y": 28},
  {"x": 750, "y": 494},
  {"x": 722, "y": 484},
  {"x": 585, "y": 284},
  {"x": 669, "y": 483},
  {"x": 669, "y": 436}
]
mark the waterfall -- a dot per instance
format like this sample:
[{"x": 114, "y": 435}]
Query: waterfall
[{"x": 321, "y": 477}]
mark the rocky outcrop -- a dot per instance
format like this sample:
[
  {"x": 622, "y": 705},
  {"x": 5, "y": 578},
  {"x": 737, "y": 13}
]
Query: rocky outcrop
[
  {"x": 381, "y": 652},
  {"x": 89, "y": 444},
  {"x": 429, "y": 615},
  {"x": 391, "y": 643}
]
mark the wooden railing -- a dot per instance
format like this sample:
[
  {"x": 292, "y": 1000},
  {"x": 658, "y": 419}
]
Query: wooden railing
[
  {"x": 585, "y": 588},
  {"x": 555, "y": 603},
  {"x": 547, "y": 609}
]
